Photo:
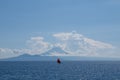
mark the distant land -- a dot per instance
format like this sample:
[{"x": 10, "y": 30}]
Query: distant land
[
  {"x": 27, "y": 57},
  {"x": 53, "y": 54}
]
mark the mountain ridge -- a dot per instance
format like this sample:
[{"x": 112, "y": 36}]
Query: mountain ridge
[
  {"x": 55, "y": 51},
  {"x": 53, "y": 54},
  {"x": 27, "y": 57}
]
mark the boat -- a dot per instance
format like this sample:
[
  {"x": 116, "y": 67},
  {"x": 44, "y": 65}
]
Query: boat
[{"x": 58, "y": 61}]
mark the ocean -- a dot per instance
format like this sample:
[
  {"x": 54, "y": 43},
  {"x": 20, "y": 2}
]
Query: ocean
[{"x": 67, "y": 70}]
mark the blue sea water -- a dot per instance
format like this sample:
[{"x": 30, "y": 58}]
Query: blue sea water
[{"x": 69, "y": 70}]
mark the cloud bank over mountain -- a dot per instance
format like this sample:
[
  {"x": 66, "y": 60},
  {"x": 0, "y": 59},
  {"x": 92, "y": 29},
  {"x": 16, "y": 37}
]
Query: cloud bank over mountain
[
  {"x": 37, "y": 45},
  {"x": 78, "y": 44},
  {"x": 72, "y": 43}
]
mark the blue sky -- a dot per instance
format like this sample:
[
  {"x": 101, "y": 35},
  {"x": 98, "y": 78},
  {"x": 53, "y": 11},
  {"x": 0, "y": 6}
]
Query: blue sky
[{"x": 22, "y": 19}]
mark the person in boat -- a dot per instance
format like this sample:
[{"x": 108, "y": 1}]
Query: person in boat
[{"x": 58, "y": 61}]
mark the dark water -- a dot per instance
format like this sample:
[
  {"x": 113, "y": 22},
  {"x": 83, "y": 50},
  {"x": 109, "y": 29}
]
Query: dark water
[{"x": 74, "y": 70}]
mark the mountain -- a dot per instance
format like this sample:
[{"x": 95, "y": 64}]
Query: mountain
[
  {"x": 53, "y": 54},
  {"x": 55, "y": 51},
  {"x": 27, "y": 57}
]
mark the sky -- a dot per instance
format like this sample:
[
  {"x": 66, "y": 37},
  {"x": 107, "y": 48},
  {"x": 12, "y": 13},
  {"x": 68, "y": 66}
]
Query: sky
[{"x": 24, "y": 23}]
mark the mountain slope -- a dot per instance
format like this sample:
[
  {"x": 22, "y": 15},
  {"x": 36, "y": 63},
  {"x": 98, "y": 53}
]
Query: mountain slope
[
  {"x": 27, "y": 57},
  {"x": 55, "y": 51}
]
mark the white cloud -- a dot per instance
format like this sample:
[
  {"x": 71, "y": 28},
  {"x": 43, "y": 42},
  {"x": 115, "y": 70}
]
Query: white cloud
[
  {"x": 73, "y": 43},
  {"x": 37, "y": 45},
  {"x": 6, "y": 52},
  {"x": 67, "y": 36},
  {"x": 77, "y": 44},
  {"x": 98, "y": 44}
]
